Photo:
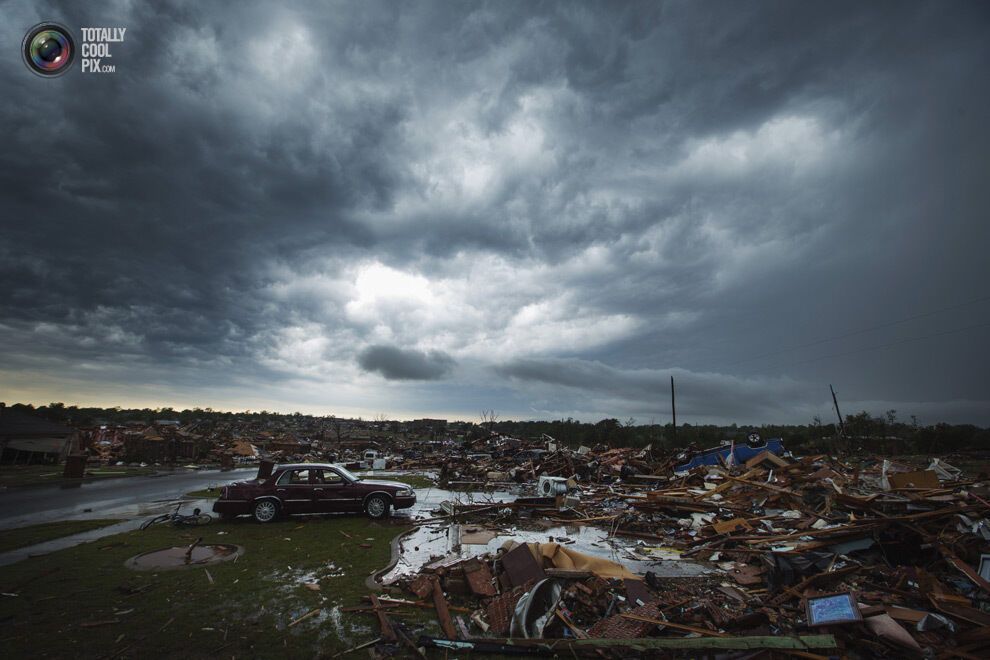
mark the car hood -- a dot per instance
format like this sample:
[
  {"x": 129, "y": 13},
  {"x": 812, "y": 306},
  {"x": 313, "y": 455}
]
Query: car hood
[{"x": 383, "y": 484}]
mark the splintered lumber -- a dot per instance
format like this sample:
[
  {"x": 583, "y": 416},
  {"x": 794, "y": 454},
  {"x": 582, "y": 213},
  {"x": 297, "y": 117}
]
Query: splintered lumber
[
  {"x": 443, "y": 613},
  {"x": 554, "y": 647},
  {"x": 726, "y": 485},
  {"x": 418, "y": 603},
  {"x": 580, "y": 634},
  {"x": 413, "y": 646},
  {"x": 305, "y": 616},
  {"x": 830, "y": 533},
  {"x": 796, "y": 590},
  {"x": 383, "y": 622},
  {"x": 958, "y": 610},
  {"x": 760, "y": 484},
  {"x": 767, "y": 455},
  {"x": 676, "y": 626},
  {"x": 653, "y": 501},
  {"x": 964, "y": 568},
  {"x": 357, "y": 648},
  {"x": 728, "y": 526}
]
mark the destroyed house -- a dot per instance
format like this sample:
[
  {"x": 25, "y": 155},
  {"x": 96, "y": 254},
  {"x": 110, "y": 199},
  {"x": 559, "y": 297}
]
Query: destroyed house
[
  {"x": 289, "y": 445},
  {"x": 25, "y": 438},
  {"x": 741, "y": 452}
]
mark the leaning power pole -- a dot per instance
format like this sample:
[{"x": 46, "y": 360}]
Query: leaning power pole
[
  {"x": 842, "y": 426},
  {"x": 673, "y": 409}
]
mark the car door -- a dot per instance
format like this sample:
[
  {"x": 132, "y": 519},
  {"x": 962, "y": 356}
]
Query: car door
[
  {"x": 335, "y": 493},
  {"x": 296, "y": 492}
]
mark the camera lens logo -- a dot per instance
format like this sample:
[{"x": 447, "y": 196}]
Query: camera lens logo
[{"x": 48, "y": 49}]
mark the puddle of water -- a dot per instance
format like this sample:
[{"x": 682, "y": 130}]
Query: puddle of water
[
  {"x": 182, "y": 557},
  {"x": 433, "y": 541}
]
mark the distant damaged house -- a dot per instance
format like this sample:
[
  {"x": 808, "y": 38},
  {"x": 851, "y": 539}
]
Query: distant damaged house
[
  {"x": 164, "y": 444},
  {"x": 290, "y": 445},
  {"x": 145, "y": 446},
  {"x": 25, "y": 438}
]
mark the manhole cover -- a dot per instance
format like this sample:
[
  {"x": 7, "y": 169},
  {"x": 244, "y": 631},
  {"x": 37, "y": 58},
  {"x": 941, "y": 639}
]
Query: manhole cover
[{"x": 184, "y": 557}]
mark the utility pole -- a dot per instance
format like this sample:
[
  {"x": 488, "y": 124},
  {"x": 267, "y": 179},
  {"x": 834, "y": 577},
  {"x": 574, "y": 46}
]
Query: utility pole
[
  {"x": 842, "y": 426},
  {"x": 673, "y": 409}
]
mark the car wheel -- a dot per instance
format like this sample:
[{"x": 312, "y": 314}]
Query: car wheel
[
  {"x": 265, "y": 511},
  {"x": 377, "y": 506}
]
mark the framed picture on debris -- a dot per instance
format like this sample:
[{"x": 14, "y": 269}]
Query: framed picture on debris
[{"x": 832, "y": 609}]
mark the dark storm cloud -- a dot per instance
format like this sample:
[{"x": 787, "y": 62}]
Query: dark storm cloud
[
  {"x": 644, "y": 189},
  {"x": 405, "y": 364},
  {"x": 157, "y": 201}
]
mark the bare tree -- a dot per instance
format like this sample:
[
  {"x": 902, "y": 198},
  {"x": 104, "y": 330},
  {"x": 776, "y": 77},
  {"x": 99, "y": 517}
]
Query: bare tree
[{"x": 488, "y": 418}]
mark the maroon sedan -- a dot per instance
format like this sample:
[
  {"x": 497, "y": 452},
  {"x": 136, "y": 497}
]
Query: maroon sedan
[{"x": 311, "y": 488}]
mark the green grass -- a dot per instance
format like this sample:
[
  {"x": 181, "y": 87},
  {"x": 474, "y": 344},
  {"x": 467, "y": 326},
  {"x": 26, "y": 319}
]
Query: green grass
[
  {"x": 12, "y": 476},
  {"x": 244, "y": 612},
  {"x": 22, "y": 537}
]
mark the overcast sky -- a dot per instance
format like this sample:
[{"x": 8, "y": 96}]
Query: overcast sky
[{"x": 430, "y": 209}]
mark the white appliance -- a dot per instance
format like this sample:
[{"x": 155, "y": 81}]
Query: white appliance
[{"x": 551, "y": 486}]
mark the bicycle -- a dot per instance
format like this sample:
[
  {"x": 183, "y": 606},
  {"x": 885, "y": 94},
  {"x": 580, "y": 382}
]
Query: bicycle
[{"x": 179, "y": 519}]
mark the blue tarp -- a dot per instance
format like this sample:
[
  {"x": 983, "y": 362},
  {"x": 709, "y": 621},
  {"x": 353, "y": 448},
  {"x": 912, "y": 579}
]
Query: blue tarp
[{"x": 743, "y": 452}]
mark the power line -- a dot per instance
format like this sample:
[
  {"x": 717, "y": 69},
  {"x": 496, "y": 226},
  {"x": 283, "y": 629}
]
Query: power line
[{"x": 861, "y": 331}]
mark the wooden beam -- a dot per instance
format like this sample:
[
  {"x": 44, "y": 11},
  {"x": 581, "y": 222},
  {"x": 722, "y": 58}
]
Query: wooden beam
[
  {"x": 443, "y": 614},
  {"x": 383, "y": 622},
  {"x": 676, "y": 626},
  {"x": 802, "y": 642}
]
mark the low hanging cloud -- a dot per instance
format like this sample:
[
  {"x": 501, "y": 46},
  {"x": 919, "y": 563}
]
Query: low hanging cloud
[
  {"x": 708, "y": 395},
  {"x": 405, "y": 364}
]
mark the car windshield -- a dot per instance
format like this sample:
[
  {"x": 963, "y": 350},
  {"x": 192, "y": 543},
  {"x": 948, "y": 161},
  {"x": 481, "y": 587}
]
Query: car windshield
[{"x": 347, "y": 473}]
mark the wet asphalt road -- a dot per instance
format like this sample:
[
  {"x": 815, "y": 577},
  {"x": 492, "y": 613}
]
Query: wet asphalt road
[{"x": 123, "y": 498}]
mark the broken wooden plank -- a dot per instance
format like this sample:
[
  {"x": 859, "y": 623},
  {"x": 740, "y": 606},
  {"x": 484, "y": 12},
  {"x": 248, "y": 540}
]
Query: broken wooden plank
[
  {"x": 801, "y": 642},
  {"x": 443, "y": 613},
  {"x": 383, "y": 622},
  {"x": 305, "y": 616},
  {"x": 729, "y": 526},
  {"x": 676, "y": 626}
]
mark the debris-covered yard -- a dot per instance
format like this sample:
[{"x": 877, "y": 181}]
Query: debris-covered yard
[
  {"x": 813, "y": 555},
  {"x": 734, "y": 552}
]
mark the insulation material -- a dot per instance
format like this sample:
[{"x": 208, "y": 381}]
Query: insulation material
[
  {"x": 916, "y": 479},
  {"x": 559, "y": 556}
]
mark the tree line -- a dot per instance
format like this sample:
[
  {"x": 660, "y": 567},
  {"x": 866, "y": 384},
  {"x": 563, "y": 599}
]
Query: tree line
[{"x": 885, "y": 434}]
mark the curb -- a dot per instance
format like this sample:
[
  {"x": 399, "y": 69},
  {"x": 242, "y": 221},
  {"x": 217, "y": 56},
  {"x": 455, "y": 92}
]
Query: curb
[{"x": 372, "y": 580}]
